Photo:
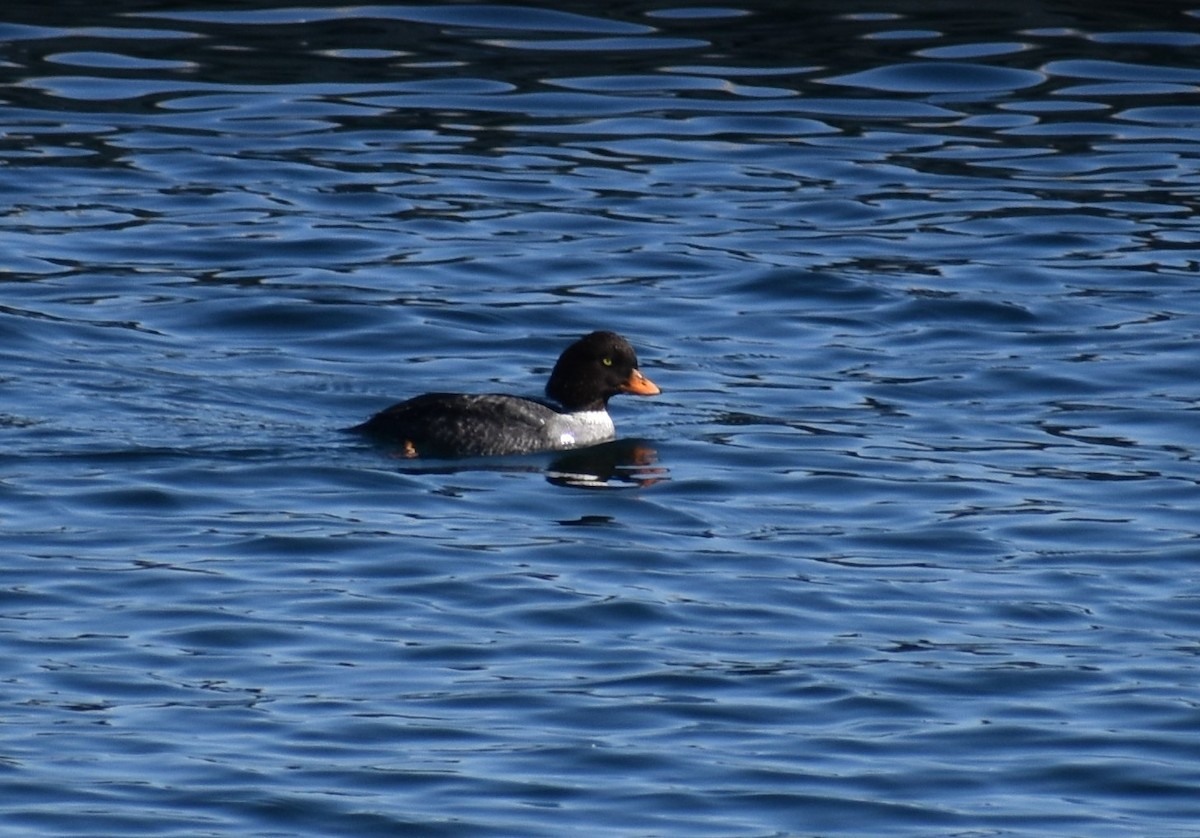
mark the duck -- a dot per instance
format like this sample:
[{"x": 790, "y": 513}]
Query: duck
[{"x": 574, "y": 413}]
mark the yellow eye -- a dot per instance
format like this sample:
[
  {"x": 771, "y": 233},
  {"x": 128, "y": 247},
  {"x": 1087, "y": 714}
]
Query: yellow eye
[{"x": 607, "y": 361}]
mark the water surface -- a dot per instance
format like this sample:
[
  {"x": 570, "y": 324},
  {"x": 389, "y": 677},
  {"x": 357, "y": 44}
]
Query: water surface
[{"x": 907, "y": 545}]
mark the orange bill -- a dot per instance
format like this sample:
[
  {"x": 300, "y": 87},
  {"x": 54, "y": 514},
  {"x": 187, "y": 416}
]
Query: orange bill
[{"x": 639, "y": 385}]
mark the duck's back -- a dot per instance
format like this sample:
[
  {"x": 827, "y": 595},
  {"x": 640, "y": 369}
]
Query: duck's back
[{"x": 462, "y": 425}]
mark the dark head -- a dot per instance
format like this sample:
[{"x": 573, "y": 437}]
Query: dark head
[{"x": 595, "y": 368}]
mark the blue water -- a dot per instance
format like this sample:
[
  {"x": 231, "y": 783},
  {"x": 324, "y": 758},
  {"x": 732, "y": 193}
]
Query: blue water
[{"x": 907, "y": 546}]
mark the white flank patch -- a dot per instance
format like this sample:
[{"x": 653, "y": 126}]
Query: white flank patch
[{"x": 587, "y": 427}]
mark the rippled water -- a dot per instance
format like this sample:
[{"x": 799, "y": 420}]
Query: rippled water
[{"x": 915, "y": 551}]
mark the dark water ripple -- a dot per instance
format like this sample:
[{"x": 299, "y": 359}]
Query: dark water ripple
[{"x": 907, "y": 546}]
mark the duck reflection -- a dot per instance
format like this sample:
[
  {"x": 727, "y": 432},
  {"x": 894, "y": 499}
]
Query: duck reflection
[
  {"x": 611, "y": 465},
  {"x": 619, "y": 464}
]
